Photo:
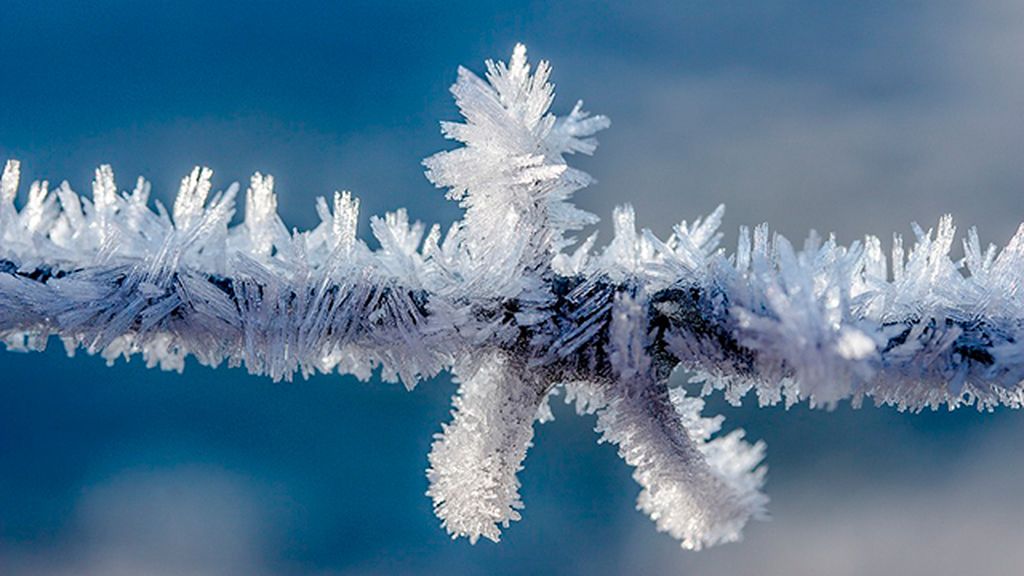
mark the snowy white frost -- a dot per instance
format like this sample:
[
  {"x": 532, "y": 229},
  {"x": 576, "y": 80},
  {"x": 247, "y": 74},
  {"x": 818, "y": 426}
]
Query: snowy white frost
[{"x": 509, "y": 303}]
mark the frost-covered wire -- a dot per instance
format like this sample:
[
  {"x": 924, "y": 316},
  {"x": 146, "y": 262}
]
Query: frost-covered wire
[{"x": 509, "y": 303}]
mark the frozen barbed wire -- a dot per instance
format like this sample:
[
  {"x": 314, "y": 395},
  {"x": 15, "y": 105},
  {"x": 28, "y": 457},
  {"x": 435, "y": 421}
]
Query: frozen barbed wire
[{"x": 504, "y": 304}]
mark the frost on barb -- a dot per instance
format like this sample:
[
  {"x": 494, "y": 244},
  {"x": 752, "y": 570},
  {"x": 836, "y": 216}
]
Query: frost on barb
[
  {"x": 700, "y": 490},
  {"x": 474, "y": 461},
  {"x": 502, "y": 303},
  {"x": 511, "y": 175}
]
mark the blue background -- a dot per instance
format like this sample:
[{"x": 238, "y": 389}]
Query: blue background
[{"x": 849, "y": 119}]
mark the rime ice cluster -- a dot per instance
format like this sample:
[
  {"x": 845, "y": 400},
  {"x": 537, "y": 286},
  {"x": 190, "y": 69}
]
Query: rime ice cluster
[{"x": 516, "y": 310}]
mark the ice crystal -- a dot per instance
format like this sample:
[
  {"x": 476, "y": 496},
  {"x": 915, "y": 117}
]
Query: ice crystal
[{"x": 508, "y": 303}]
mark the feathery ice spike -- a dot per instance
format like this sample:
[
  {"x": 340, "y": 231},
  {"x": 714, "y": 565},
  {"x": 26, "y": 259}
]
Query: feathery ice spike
[{"x": 514, "y": 315}]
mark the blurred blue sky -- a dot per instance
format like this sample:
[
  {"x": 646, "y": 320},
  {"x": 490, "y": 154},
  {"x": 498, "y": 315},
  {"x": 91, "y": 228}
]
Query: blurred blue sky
[{"x": 853, "y": 118}]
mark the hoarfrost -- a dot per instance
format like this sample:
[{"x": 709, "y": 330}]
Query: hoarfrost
[{"x": 508, "y": 303}]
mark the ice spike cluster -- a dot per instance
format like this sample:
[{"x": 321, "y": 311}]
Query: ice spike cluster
[{"x": 510, "y": 304}]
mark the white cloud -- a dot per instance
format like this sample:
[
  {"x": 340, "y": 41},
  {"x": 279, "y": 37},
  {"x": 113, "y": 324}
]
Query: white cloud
[
  {"x": 962, "y": 517},
  {"x": 185, "y": 520},
  {"x": 927, "y": 120}
]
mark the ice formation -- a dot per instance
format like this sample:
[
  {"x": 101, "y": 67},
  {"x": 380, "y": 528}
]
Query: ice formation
[{"x": 516, "y": 310}]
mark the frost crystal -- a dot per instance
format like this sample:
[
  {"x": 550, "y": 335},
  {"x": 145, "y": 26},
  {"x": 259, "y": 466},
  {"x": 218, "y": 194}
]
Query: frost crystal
[{"x": 508, "y": 304}]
